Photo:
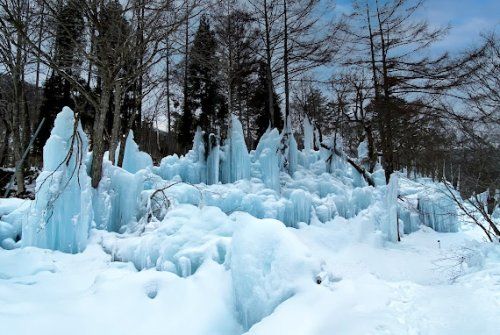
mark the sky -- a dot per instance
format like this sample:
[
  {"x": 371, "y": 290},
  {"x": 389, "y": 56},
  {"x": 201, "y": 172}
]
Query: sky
[{"x": 468, "y": 18}]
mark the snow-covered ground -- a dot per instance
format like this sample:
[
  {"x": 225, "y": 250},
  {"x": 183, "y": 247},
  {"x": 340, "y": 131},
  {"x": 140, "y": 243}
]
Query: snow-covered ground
[
  {"x": 250, "y": 246},
  {"x": 417, "y": 286}
]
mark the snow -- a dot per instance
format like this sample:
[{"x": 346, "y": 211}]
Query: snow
[{"x": 224, "y": 241}]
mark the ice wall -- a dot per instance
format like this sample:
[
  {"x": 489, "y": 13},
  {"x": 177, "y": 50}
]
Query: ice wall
[
  {"x": 62, "y": 211},
  {"x": 134, "y": 159},
  {"x": 438, "y": 211}
]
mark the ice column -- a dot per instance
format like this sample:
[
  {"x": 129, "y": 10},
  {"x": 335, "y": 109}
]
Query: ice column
[{"x": 62, "y": 212}]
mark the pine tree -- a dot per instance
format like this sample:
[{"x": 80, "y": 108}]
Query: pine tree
[
  {"x": 204, "y": 92},
  {"x": 259, "y": 103},
  {"x": 57, "y": 91}
]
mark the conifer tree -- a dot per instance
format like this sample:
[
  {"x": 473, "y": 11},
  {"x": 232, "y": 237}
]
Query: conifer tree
[{"x": 57, "y": 91}]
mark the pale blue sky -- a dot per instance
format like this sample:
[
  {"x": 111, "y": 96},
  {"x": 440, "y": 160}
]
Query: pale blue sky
[{"x": 468, "y": 18}]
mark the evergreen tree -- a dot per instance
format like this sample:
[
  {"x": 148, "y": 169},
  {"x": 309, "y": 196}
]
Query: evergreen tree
[
  {"x": 204, "y": 88},
  {"x": 57, "y": 91},
  {"x": 259, "y": 103}
]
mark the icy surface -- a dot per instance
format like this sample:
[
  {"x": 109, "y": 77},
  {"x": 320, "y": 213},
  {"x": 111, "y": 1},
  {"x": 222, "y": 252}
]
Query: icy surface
[{"x": 61, "y": 214}]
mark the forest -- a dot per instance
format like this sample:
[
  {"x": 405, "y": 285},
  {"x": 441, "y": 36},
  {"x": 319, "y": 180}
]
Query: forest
[{"x": 164, "y": 68}]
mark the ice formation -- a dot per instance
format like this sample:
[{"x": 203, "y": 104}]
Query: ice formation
[
  {"x": 389, "y": 223},
  {"x": 267, "y": 155},
  {"x": 185, "y": 238},
  {"x": 134, "y": 159},
  {"x": 236, "y": 162},
  {"x": 62, "y": 211},
  {"x": 289, "y": 150},
  {"x": 213, "y": 159},
  {"x": 438, "y": 211},
  {"x": 116, "y": 199},
  {"x": 190, "y": 168}
]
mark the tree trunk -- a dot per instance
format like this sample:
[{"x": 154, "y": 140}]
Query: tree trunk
[
  {"x": 285, "y": 62},
  {"x": 269, "y": 74},
  {"x": 387, "y": 112},
  {"x": 4, "y": 143},
  {"x": 98, "y": 135},
  {"x": 115, "y": 130}
]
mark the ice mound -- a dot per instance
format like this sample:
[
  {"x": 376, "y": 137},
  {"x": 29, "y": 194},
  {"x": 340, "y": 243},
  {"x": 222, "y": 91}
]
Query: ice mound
[
  {"x": 134, "y": 159},
  {"x": 62, "y": 211},
  {"x": 427, "y": 203},
  {"x": 268, "y": 266},
  {"x": 186, "y": 237}
]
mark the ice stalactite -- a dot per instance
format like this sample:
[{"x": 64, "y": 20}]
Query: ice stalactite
[{"x": 62, "y": 211}]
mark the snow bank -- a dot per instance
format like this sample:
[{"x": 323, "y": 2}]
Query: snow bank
[{"x": 62, "y": 211}]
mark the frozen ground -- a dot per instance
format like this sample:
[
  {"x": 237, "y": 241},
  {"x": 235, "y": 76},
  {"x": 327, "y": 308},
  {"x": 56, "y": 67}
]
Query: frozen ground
[{"x": 226, "y": 242}]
